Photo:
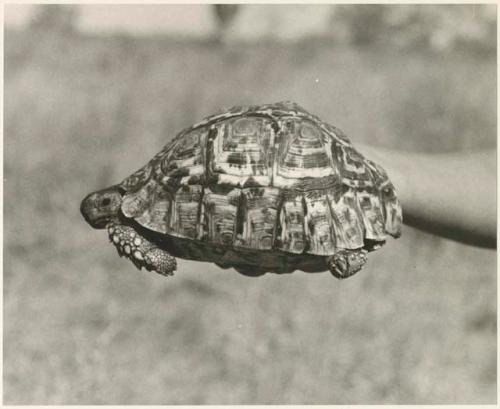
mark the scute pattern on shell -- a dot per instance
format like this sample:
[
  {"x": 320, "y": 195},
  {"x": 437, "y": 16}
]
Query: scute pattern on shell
[{"x": 270, "y": 177}]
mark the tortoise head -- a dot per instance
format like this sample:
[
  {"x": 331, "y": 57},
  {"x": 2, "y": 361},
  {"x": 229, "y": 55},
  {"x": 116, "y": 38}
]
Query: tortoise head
[{"x": 101, "y": 207}]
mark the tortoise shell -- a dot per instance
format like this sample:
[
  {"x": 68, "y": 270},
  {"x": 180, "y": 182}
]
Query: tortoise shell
[{"x": 270, "y": 178}]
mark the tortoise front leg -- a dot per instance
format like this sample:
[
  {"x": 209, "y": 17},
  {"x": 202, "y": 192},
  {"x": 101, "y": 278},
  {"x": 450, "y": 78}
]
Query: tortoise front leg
[
  {"x": 140, "y": 251},
  {"x": 346, "y": 262}
]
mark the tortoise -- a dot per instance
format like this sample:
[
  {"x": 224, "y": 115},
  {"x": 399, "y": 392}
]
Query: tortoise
[{"x": 267, "y": 188}]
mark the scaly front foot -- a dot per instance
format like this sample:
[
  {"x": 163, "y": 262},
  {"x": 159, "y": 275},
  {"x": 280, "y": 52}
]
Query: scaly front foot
[{"x": 140, "y": 251}]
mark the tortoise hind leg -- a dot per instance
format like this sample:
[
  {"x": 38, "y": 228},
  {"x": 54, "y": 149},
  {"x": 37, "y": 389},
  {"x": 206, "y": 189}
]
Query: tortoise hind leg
[{"x": 346, "y": 262}]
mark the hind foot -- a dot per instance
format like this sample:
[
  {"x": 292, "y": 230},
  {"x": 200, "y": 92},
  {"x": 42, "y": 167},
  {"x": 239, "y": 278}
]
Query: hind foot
[{"x": 345, "y": 262}]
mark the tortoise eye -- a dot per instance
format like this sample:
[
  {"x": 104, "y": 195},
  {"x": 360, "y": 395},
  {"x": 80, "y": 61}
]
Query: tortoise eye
[{"x": 106, "y": 201}]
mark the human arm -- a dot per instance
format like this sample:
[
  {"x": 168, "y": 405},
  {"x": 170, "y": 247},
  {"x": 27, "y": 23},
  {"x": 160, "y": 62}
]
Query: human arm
[{"x": 452, "y": 195}]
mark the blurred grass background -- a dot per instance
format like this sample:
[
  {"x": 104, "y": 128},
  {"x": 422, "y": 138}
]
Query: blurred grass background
[{"x": 82, "y": 326}]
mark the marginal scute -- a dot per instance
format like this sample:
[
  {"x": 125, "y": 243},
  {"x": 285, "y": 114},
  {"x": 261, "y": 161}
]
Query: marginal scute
[
  {"x": 347, "y": 219},
  {"x": 318, "y": 223},
  {"x": 219, "y": 216},
  {"x": 156, "y": 217},
  {"x": 259, "y": 208},
  {"x": 290, "y": 232},
  {"x": 373, "y": 218},
  {"x": 184, "y": 220},
  {"x": 136, "y": 203},
  {"x": 393, "y": 212}
]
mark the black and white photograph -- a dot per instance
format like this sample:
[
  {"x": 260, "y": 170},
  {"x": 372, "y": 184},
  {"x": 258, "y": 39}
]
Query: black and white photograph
[{"x": 250, "y": 204}]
